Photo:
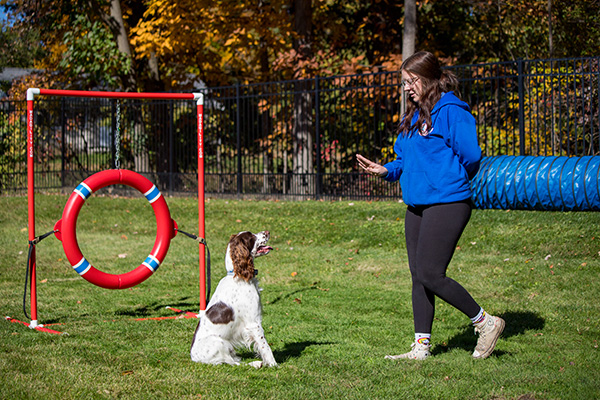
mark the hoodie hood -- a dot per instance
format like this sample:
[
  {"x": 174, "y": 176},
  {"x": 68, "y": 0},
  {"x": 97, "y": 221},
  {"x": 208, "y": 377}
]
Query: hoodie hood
[{"x": 447, "y": 99}]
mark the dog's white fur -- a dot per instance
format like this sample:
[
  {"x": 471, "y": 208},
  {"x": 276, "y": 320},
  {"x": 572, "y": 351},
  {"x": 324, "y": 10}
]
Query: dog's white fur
[{"x": 233, "y": 317}]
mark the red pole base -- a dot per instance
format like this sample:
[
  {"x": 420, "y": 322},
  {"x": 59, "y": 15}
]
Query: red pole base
[{"x": 37, "y": 327}]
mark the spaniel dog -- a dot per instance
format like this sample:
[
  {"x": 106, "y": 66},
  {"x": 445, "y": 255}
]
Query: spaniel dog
[{"x": 233, "y": 317}]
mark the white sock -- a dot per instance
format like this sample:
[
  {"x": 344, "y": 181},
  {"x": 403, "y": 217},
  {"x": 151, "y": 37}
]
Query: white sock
[
  {"x": 479, "y": 318},
  {"x": 423, "y": 338}
]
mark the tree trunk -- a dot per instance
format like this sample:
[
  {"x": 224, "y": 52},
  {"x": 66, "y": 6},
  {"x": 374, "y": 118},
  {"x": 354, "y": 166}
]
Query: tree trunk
[
  {"x": 303, "y": 177},
  {"x": 409, "y": 35},
  {"x": 117, "y": 26}
]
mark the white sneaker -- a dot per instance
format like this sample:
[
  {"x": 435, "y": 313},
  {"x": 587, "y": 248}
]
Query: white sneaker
[
  {"x": 489, "y": 331},
  {"x": 418, "y": 352}
]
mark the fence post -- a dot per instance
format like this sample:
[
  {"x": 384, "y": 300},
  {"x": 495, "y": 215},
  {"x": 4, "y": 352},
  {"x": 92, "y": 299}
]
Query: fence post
[
  {"x": 319, "y": 185},
  {"x": 171, "y": 147},
  {"x": 113, "y": 128},
  {"x": 238, "y": 140},
  {"x": 63, "y": 145},
  {"x": 521, "y": 107}
]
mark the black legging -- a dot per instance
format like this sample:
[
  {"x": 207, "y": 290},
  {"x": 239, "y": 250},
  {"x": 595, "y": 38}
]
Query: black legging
[{"x": 432, "y": 233}]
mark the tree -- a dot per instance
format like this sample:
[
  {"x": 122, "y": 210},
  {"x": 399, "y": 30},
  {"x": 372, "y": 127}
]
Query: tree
[
  {"x": 471, "y": 31},
  {"x": 174, "y": 43},
  {"x": 91, "y": 57},
  {"x": 409, "y": 36},
  {"x": 20, "y": 48},
  {"x": 576, "y": 27},
  {"x": 114, "y": 20},
  {"x": 221, "y": 42}
]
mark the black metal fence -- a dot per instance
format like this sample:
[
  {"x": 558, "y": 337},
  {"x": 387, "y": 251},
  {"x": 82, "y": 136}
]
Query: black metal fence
[{"x": 296, "y": 139}]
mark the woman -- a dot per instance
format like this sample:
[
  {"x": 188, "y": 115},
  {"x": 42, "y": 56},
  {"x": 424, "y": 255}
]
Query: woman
[{"x": 437, "y": 154}]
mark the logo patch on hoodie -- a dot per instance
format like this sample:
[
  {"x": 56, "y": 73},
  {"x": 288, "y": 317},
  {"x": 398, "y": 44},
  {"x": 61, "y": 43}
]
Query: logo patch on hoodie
[{"x": 425, "y": 130}]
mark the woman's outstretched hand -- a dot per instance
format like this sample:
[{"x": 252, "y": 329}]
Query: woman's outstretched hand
[{"x": 371, "y": 167}]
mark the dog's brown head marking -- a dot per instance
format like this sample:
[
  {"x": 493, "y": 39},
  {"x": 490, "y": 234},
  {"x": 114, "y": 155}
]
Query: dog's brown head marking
[{"x": 243, "y": 247}]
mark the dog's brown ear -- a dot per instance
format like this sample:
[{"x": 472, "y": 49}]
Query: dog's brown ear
[{"x": 240, "y": 247}]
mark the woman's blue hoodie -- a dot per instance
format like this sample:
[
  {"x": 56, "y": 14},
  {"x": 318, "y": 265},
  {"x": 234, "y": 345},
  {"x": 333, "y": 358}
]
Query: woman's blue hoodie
[{"x": 435, "y": 168}]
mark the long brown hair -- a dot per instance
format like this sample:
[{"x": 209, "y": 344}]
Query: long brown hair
[{"x": 434, "y": 82}]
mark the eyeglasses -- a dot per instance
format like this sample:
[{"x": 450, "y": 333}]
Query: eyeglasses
[{"x": 409, "y": 83}]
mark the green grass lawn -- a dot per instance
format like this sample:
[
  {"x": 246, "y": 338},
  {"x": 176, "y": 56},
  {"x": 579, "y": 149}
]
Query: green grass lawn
[{"x": 336, "y": 300}]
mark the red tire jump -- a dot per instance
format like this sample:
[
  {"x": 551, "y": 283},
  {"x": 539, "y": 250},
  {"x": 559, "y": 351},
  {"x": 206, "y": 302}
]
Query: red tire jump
[{"x": 66, "y": 228}]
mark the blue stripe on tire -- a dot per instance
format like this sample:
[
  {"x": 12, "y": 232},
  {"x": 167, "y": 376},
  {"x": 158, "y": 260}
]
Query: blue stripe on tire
[
  {"x": 83, "y": 190},
  {"x": 153, "y": 194},
  {"x": 152, "y": 263},
  {"x": 82, "y": 266}
]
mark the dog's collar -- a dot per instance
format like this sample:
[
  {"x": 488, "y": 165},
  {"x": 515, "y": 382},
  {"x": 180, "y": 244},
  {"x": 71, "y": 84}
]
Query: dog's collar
[{"x": 230, "y": 273}]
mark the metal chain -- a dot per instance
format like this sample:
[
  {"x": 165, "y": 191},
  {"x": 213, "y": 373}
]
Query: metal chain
[{"x": 118, "y": 137}]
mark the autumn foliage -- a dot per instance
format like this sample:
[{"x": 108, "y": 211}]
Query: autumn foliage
[{"x": 175, "y": 44}]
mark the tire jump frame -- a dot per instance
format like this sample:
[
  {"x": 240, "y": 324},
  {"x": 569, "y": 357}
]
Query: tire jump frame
[{"x": 65, "y": 229}]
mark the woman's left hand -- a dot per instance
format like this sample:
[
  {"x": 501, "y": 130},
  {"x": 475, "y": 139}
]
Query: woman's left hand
[{"x": 371, "y": 167}]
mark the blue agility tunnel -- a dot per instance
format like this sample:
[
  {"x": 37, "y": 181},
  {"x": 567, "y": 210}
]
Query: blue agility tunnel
[{"x": 538, "y": 183}]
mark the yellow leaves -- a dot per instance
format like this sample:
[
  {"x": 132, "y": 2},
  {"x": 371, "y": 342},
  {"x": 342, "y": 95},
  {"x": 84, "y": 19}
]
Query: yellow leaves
[
  {"x": 248, "y": 13},
  {"x": 230, "y": 41},
  {"x": 212, "y": 35}
]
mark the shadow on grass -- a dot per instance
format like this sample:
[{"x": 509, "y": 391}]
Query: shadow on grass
[
  {"x": 295, "y": 350},
  {"x": 146, "y": 311},
  {"x": 289, "y": 295},
  {"x": 184, "y": 304},
  {"x": 290, "y": 350},
  {"x": 517, "y": 323}
]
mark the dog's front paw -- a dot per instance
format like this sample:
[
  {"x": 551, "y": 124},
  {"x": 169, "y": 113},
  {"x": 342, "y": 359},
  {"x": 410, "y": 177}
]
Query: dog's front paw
[
  {"x": 260, "y": 364},
  {"x": 256, "y": 364}
]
